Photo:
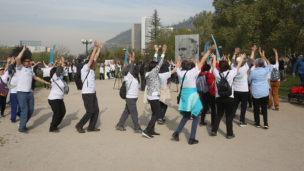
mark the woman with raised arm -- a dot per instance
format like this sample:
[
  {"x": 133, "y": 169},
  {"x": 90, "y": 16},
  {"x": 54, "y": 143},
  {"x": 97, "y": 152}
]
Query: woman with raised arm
[
  {"x": 153, "y": 92},
  {"x": 224, "y": 94},
  {"x": 131, "y": 97},
  {"x": 274, "y": 80},
  {"x": 55, "y": 98},
  {"x": 190, "y": 104},
  {"x": 4, "y": 75},
  {"x": 46, "y": 73},
  {"x": 13, "y": 90},
  {"x": 165, "y": 98},
  {"x": 240, "y": 85},
  {"x": 260, "y": 89}
]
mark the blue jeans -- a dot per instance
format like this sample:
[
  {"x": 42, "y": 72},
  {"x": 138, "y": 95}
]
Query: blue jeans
[
  {"x": 301, "y": 77},
  {"x": 14, "y": 105},
  {"x": 163, "y": 109},
  {"x": 26, "y": 103},
  {"x": 183, "y": 122}
]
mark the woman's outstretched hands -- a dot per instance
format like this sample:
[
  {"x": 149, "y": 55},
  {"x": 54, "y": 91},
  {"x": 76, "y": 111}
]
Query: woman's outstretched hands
[{"x": 164, "y": 48}]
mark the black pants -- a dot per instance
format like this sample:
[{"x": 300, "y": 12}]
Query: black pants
[
  {"x": 108, "y": 74},
  {"x": 208, "y": 99},
  {"x": 257, "y": 104},
  {"x": 143, "y": 83},
  {"x": 58, "y": 109},
  {"x": 101, "y": 75},
  {"x": 224, "y": 105},
  {"x": 137, "y": 77},
  {"x": 240, "y": 97},
  {"x": 65, "y": 78},
  {"x": 33, "y": 84},
  {"x": 3, "y": 104},
  {"x": 249, "y": 99},
  {"x": 71, "y": 77},
  {"x": 47, "y": 79},
  {"x": 92, "y": 110},
  {"x": 113, "y": 73},
  {"x": 155, "y": 107}
]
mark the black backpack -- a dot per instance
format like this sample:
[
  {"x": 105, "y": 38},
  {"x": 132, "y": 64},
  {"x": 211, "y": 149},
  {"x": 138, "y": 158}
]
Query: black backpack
[
  {"x": 123, "y": 90},
  {"x": 223, "y": 87},
  {"x": 78, "y": 81}
]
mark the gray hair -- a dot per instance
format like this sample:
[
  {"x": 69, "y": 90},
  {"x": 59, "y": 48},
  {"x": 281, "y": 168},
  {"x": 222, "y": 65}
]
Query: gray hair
[{"x": 259, "y": 62}]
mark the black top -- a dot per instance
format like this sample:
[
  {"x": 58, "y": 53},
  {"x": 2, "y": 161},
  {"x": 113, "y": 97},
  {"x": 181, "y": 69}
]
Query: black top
[{"x": 281, "y": 65}]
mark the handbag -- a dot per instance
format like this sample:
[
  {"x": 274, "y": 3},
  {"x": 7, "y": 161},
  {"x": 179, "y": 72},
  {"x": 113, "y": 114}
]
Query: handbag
[
  {"x": 65, "y": 88},
  {"x": 179, "y": 95},
  {"x": 3, "y": 88}
]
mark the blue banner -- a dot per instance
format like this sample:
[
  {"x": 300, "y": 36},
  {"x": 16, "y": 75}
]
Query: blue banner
[
  {"x": 126, "y": 56},
  {"x": 206, "y": 50},
  {"x": 217, "y": 52},
  {"x": 157, "y": 58},
  {"x": 52, "y": 54}
]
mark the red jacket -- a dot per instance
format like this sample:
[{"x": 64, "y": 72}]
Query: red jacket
[{"x": 210, "y": 79}]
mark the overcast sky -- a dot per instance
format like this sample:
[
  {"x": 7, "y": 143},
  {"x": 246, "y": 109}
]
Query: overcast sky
[{"x": 66, "y": 22}]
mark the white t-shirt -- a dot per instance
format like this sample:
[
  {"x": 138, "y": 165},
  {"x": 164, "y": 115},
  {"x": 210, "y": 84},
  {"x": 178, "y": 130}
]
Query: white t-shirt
[
  {"x": 164, "y": 77},
  {"x": 56, "y": 92},
  {"x": 108, "y": 69},
  {"x": 74, "y": 69},
  {"x": 190, "y": 77},
  {"x": 4, "y": 77},
  {"x": 112, "y": 67},
  {"x": 273, "y": 66},
  {"x": 46, "y": 71},
  {"x": 132, "y": 90},
  {"x": 25, "y": 76},
  {"x": 230, "y": 77},
  {"x": 14, "y": 82},
  {"x": 119, "y": 68},
  {"x": 65, "y": 71},
  {"x": 88, "y": 86},
  {"x": 101, "y": 70},
  {"x": 240, "y": 82},
  {"x": 70, "y": 69}
]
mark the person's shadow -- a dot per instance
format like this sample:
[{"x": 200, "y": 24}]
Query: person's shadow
[
  {"x": 41, "y": 120},
  {"x": 98, "y": 121},
  {"x": 67, "y": 120}
]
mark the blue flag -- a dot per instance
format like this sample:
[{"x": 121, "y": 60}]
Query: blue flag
[
  {"x": 157, "y": 58},
  {"x": 52, "y": 54},
  {"x": 206, "y": 50},
  {"x": 126, "y": 56},
  {"x": 217, "y": 52}
]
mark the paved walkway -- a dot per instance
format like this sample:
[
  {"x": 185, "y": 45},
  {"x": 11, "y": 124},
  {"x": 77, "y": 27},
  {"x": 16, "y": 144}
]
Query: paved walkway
[{"x": 279, "y": 148}]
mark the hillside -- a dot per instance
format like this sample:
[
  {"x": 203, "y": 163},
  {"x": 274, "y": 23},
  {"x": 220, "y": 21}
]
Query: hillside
[{"x": 185, "y": 23}]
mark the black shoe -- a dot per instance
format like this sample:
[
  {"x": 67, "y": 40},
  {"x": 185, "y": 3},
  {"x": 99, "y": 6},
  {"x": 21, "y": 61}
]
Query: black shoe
[
  {"x": 2, "y": 116},
  {"x": 175, "y": 136},
  {"x": 13, "y": 121},
  {"x": 250, "y": 106},
  {"x": 147, "y": 134},
  {"x": 193, "y": 141},
  {"x": 202, "y": 123},
  {"x": 120, "y": 128},
  {"x": 213, "y": 134},
  {"x": 23, "y": 132},
  {"x": 154, "y": 133},
  {"x": 55, "y": 131},
  {"x": 257, "y": 125},
  {"x": 79, "y": 129},
  {"x": 230, "y": 136},
  {"x": 266, "y": 126},
  {"x": 93, "y": 130}
]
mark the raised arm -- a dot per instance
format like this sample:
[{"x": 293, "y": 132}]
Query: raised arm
[
  {"x": 251, "y": 59},
  {"x": 156, "y": 53},
  {"x": 93, "y": 54},
  {"x": 263, "y": 56},
  {"x": 8, "y": 62},
  {"x": 35, "y": 64},
  {"x": 178, "y": 65},
  {"x": 213, "y": 60},
  {"x": 200, "y": 65},
  {"x": 18, "y": 59},
  {"x": 98, "y": 51},
  {"x": 276, "y": 54},
  {"x": 45, "y": 66},
  {"x": 240, "y": 62},
  {"x": 132, "y": 57},
  {"x": 156, "y": 69}
]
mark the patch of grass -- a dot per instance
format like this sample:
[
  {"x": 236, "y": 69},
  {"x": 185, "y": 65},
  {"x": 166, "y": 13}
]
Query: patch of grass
[
  {"x": 2, "y": 141},
  {"x": 285, "y": 86}
]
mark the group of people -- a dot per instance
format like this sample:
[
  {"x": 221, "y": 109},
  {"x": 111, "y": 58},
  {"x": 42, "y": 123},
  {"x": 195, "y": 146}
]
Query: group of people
[{"x": 218, "y": 85}]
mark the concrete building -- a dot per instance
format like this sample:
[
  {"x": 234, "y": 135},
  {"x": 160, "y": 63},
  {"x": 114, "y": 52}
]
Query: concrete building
[
  {"x": 145, "y": 32},
  {"x": 136, "y": 36},
  {"x": 34, "y": 46}
]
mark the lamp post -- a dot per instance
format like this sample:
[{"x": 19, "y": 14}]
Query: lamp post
[{"x": 86, "y": 42}]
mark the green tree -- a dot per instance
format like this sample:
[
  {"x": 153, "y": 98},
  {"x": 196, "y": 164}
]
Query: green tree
[
  {"x": 155, "y": 25},
  {"x": 203, "y": 25},
  {"x": 5, "y": 52}
]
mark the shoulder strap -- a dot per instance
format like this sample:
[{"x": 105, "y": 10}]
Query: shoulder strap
[
  {"x": 57, "y": 85},
  {"x": 227, "y": 75},
  {"x": 182, "y": 83},
  {"x": 86, "y": 78}
]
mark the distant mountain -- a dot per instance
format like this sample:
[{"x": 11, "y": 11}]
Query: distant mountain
[{"x": 185, "y": 23}]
